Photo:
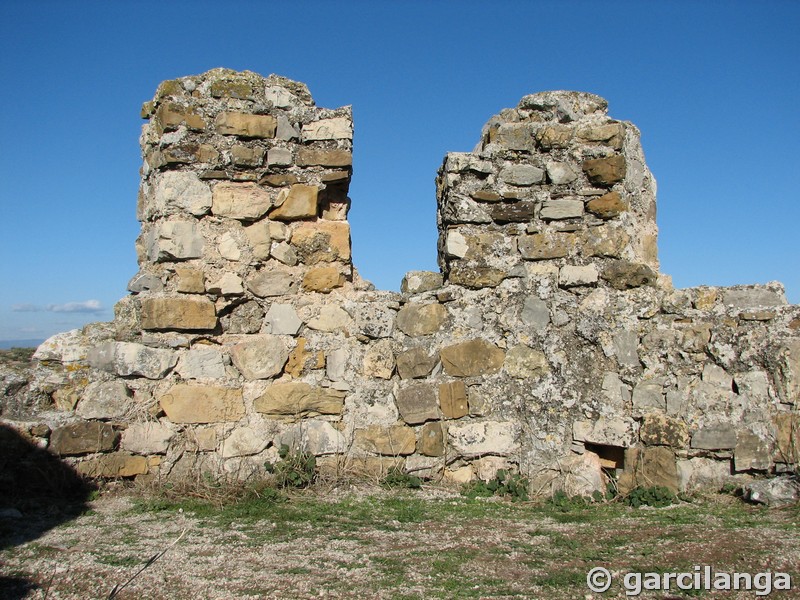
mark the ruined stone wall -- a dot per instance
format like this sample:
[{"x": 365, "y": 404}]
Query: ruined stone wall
[{"x": 548, "y": 344}]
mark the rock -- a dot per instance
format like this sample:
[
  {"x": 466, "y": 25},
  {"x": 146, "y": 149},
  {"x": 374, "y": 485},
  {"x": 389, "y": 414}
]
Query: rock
[
  {"x": 246, "y": 125},
  {"x": 623, "y": 275},
  {"x": 649, "y": 467},
  {"x": 521, "y": 175},
  {"x": 323, "y": 280},
  {"x": 415, "y": 363},
  {"x": 300, "y": 202},
  {"x": 174, "y": 240},
  {"x": 379, "y": 360},
  {"x": 228, "y": 248},
  {"x": 561, "y": 209},
  {"x": 86, "y": 437},
  {"x": 332, "y": 317},
  {"x": 453, "y": 400},
  {"x": 485, "y": 437},
  {"x": 605, "y": 171},
  {"x": 720, "y": 436},
  {"x": 620, "y": 432},
  {"x": 472, "y": 358},
  {"x": 147, "y": 438},
  {"x": 612, "y": 134},
  {"x": 258, "y": 234},
  {"x": 417, "y": 403},
  {"x": 580, "y": 475},
  {"x": 104, "y": 400},
  {"x": 523, "y": 362},
  {"x": 536, "y": 314},
  {"x": 129, "y": 359},
  {"x": 244, "y": 441},
  {"x": 661, "y": 430},
  {"x": 244, "y": 318},
  {"x": 542, "y": 246},
  {"x": 398, "y": 440},
  {"x": 260, "y": 357},
  {"x": 577, "y": 275},
  {"x": 310, "y": 157},
  {"x": 561, "y": 173},
  {"x": 476, "y": 277},
  {"x": 178, "y": 313},
  {"x": 605, "y": 240},
  {"x": 607, "y": 206},
  {"x": 190, "y": 281},
  {"x": 752, "y": 453},
  {"x": 776, "y": 492},
  {"x": 242, "y": 201},
  {"x": 421, "y": 319},
  {"x": 282, "y": 319},
  {"x": 118, "y": 464},
  {"x": 181, "y": 191},
  {"x": 417, "y": 282},
  {"x": 298, "y": 400},
  {"x": 267, "y": 284},
  {"x": 515, "y": 136},
  {"x": 229, "y": 284},
  {"x": 201, "y": 363},
  {"x": 337, "y": 128},
  {"x": 185, "y": 403},
  {"x": 431, "y": 440},
  {"x": 145, "y": 282}
]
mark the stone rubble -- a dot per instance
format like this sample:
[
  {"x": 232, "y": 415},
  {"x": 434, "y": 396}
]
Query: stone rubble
[{"x": 549, "y": 343}]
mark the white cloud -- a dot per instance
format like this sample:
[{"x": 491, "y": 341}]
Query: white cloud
[
  {"x": 88, "y": 306},
  {"x": 26, "y": 308}
]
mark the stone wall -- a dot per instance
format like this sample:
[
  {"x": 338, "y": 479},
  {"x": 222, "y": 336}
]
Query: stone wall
[{"x": 548, "y": 344}]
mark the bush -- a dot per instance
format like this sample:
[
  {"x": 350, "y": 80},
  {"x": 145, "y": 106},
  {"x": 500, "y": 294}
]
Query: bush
[
  {"x": 294, "y": 470},
  {"x": 656, "y": 496},
  {"x": 507, "y": 484}
]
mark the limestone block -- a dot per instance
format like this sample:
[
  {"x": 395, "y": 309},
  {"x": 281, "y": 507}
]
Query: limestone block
[
  {"x": 312, "y": 157},
  {"x": 787, "y": 438},
  {"x": 417, "y": 282},
  {"x": 298, "y": 399},
  {"x": 323, "y": 280},
  {"x": 472, "y": 358},
  {"x": 128, "y": 359},
  {"x": 623, "y": 275},
  {"x": 332, "y": 317},
  {"x": 379, "y": 360},
  {"x": 228, "y": 247},
  {"x": 299, "y": 202},
  {"x": 515, "y": 136},
  {"x": 720, "y": 436},
  {"x": 244, "y": 318},
  {"x": 243, "y": 156},
  {"x": 174, "y": 240},
  {"x": 261, "y": 356},
  {"x": 703, "y": 473},
  {"x": 282, "y": 319},
  {"x": 752, "y": 452},
  {"x": 171, "y": 115},
  {"x": 456, "y": 244},
  {"x": 777, "y": 492},
  {"x": 322, "y": 241},
  {"x": 605, "y": 171},
  {"x": 223, "y": 88},
  {"x": 182, "y": 191},
  {"x": 431, "y": 440},
  {"x": 415, "y": 363},
  {"x": 485, "y": 437},
  {"x": 337, "y": 128},
  {"x": 612, "y": 134},
  {"x": 554, "y": 136},
  {"x": 145, "y": 282},
  {"x": 246, "y": 125},
  {"x": 542, "y": 246},
  {"x": 453, "y": 400},
  {"x": 178, "y": 313},
  {"x": 318, "y": 438},
  {"x": 190, "y": 281},
  {"x": 118, "y": 464},
  {"x": 417, "y": 403},
  {"x": 86, "y": 437},
  {"x": 374, "y": 320},
  {"x": 649, "y": 467},
  {"x": 787, "y": 372},
  {"x": 619, "y": 432},
  {"x": 397, "y": 440},
  {"x": 580, "y": 475},
  {"x": 626, "y": 348},
  {"x": 421, "y": 319},
  {"x": 185, "y": 403},
  {"x": 147, "y": 438},
  {"x": 201, "y": 362},
  {"x": 258, "y": 234},
  {"x": 607, "y": 206},
  {"x": 660, "y": 430},
  {"x": 281, "y": 157},
  {"x": 753, "y": 297},
  {"x": 229, "y": 284},
  {"x": 242, "y": 201},
  {"x": 244, "y": 441},
  {"x": 535, "y": 314},
  {"x": 336, "y": 364},
  {"x": 268, "y": 283},
  {"x": 285, "y": 254},
  {"x": 577, "y": 275},
  {"x": 521, "y": 175},
  {"x": 476, "y": 277},
  {"x": 104, "y": 400},
  {"x": 561, "y": 173},
  {"x": 561, "y": 209},
  {"x": 648, "y": 394},
  {"x": 524, "y": 362}
]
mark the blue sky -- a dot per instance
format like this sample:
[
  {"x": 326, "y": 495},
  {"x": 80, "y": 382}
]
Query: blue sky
[{"x": 713, "y": 86}]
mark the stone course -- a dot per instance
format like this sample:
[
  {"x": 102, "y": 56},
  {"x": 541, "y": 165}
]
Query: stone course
[{"x": 549, "y": 343}]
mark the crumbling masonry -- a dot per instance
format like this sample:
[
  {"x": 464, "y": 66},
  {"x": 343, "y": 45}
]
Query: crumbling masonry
[{"x": 548, "y": 344}]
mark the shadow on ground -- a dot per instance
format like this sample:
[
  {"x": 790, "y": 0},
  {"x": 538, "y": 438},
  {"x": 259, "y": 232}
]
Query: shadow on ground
[{"x": 38, "y": 491}]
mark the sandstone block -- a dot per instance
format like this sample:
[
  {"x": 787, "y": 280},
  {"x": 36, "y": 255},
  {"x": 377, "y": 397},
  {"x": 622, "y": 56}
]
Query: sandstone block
[
  {"x": 311, "y": 157},
  {"x": 261, "y": 356},
  {"x": 300, "y": 202},
  {"x": 486, "y": 437},
  {"x": 521, "y": 211},
  {"x": 431, "y": 440},
  {"x": 267, "y": 284},
  {"x": 752, "y": 453},
  {"x": 660, "y": 430},
  {"x": 421, "y": 319},
  {"x": 243, "y": 156},
  {"x": 379, "y": 360},
  {"x": 453, "y": 400},
  {"x": 190, "y": 281},
  {"x": 624, "y": 275},
  {"x": 246, "y": 125},
  {"x": 476, "y": 277},
  {"x": 787, "y": 438},
  {"x": 612, "y": 134},
  {"x": 232, "y": 89},
  {"x": 119, "y": 464},
  {"x": 472, "y": 358},
  {"x": 297, "y": 400},
  {"x": 605, "y": 240},
  {"x": 554, "y": 136},
  {"x": 515, "y": 136},
  {"x": 417, "y": 403},
  {"x": 323, "y": 280},
  {"x": 171, "y": 115},
  {"x": 181, "y": 314},
  {"x": 398, "y": 440},
  {"x": 185, "y": 403},
  {"x": 561, "y": 209},
  {"x": 104, "y": 400},
  {"x": 607, "y": 206},
  {"x": 523, "y": 362},
  {"x": 415, "y": 363},
  {"x": 322, "y": 241},
  {"x": 649, "y": 467},
  {"x": 605, "y": 171},
  {"x": 543, "y": 246},
  {"x": 86, "y": 437},
  {"x": 241, "y": 201},
  {"x": 521, "y": 175}
]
